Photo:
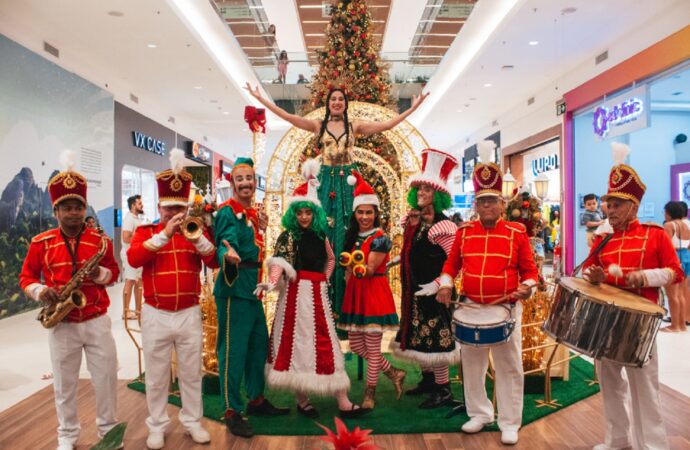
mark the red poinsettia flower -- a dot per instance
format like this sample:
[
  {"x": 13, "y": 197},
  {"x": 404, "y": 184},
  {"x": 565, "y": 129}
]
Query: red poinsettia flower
[{"x": 348, "y": 440}]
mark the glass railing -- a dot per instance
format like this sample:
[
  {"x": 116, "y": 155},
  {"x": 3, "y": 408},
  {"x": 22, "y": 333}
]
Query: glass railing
[{"x": 403, "y": 69}]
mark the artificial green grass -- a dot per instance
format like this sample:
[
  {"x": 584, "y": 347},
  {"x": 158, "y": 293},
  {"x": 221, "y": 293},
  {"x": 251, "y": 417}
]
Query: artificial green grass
[{"x": 400, "y": 417}]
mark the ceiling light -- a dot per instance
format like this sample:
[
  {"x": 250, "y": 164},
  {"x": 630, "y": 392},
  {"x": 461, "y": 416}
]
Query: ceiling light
[
  {"x": 226, "y": 113},
  {"x": 533, "y": 42},
  {"x": 197, "y": 87},
  {"x": 487, "y": 85},
  {"x": 507, "y": 67},
  {"x": 115, "y": 13},
  {"x": 311, "y": 6},
  {"x": 568, "y": 10},
  {"x": 315, "y": 21},
  {"x": 459, "y": 110},
  {"x": 256, "y": 7},
  {"x": 152, "y": 46}
]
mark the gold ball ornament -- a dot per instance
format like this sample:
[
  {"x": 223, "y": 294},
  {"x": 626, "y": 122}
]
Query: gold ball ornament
[
  {"x": 536, "y": 216},
  {"x": 515, "y": 213}
]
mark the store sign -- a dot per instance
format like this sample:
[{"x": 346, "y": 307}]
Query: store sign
[
  {"x": 622, "y": 114},
  {"x": 230, "y": 11},
  {"x": 544, "y": 164},
  {"x": 148, "y": 143},
  {"x": 198, "y": 152}
]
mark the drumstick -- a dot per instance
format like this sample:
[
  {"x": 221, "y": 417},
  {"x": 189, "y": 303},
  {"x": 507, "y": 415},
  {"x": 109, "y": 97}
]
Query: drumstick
[{"x": 498, "y": 300}]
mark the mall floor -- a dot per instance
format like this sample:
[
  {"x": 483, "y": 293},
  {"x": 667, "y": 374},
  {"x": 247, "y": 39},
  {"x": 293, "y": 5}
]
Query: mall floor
[{"x": 25, "y": 360}]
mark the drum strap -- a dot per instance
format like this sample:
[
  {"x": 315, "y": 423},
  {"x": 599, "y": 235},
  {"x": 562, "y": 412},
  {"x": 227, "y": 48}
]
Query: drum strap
[{"x": 596, "y": 250}]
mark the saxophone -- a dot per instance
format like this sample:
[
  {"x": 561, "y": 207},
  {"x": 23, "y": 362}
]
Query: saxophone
[{"x": 70, "y": 295}]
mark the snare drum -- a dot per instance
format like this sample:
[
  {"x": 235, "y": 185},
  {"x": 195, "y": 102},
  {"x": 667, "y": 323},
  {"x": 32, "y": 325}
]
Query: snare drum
[
  {"x": 603, "y": 322},
  {"x": 483, "y": 325}
]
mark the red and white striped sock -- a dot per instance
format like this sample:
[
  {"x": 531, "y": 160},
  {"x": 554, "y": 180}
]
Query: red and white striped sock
[
  {"x": 441, "y": 375},
  {"x": 376, "y": 362},
  {"x": 357, "y": 344}
]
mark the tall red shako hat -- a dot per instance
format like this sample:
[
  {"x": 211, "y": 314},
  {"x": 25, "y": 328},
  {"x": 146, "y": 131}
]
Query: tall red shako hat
[
  {"x": 624, "y": 182},
  {"x": 68, "y": 183},
  {"x": 364, "y": 194},
  {"x": 487, "y": 176},
  {"x": 174, "y": 184}
]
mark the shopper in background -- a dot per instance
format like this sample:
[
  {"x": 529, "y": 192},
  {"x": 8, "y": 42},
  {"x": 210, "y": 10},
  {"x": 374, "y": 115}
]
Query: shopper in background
[{"x": 132, "y": 276}]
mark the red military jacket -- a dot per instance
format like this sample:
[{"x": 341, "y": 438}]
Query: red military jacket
[
  {"x": 639, "y": 247},
  {"x": 493, "y": 261},
  {"x": 171, "y": 273},
  {"x": 49, "y": 262}
]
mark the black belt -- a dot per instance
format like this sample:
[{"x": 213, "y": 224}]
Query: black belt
[{"x": 249, "y": 265}]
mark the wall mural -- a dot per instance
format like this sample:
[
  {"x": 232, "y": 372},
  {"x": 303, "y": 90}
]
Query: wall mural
[{"x": 43, "y": 111}]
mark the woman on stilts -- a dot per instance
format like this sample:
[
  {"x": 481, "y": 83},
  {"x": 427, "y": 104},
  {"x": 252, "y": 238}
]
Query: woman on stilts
[{"x": 335, "y": 135}]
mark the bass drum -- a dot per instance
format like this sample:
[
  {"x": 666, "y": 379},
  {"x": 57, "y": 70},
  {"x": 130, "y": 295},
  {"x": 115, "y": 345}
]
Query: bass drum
[{"x": 603, "y": 321}]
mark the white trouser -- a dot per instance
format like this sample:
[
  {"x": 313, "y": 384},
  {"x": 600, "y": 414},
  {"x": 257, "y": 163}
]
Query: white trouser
[
  {"x": 509, "y": 384},
  {"x": 160, "y": 331},
  {"x": 638, "y": 394},
  {"x": 66, "y": 342}
]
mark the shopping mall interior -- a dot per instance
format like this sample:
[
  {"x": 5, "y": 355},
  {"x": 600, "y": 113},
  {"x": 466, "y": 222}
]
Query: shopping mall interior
[{"x": 554, "y": 85}]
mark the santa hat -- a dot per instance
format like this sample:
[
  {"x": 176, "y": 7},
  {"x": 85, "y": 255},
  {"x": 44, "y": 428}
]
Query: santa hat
[
  {"x": 436, "y": 167},
  {"x": 68, "y": 183},
  {"x": 364, "y": 194},
  {"x": 175, "y": 183},
  {"x": 307, "y": 192},
  {"x": 624, "y": 182},
  {"x": 487, "y": 177}
]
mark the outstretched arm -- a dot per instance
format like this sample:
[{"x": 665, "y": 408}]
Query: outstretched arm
[
  {"x": 368, "y": 128},
  {"x": 295, "y": 120}
]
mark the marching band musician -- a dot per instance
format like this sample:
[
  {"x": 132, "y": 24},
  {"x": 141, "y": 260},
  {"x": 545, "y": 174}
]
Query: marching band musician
[
  {"x": 242, "y": 333},
  {"x": 497, "y": 267},
  {"x": 639, "y": 258},
  {"x": 171, "y": 315},
  {"x": 56, "y": 256},
  {"x": 425, "y": 336}
]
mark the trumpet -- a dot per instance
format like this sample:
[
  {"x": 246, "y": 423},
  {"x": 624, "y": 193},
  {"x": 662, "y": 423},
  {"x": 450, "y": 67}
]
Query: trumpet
[{"x": 192, "y": 227}]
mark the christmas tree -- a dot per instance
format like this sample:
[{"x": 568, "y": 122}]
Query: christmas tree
[{"x": 350, "y": 59}]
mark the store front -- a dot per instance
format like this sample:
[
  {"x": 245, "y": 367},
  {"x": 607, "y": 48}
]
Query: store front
[
  {"x": 643, "y": 102},
  {"x": 538, "y": 158}
]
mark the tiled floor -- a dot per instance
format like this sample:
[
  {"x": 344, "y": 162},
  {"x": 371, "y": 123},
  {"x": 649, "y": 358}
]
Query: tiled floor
[{"x": 24, "y": 355}]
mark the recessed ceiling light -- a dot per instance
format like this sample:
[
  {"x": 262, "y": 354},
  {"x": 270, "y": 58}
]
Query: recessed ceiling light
[
  {"x": 487, "y": 85},
  {"x": 568, "y": 10},
  {"x": 197, "y": 87},
  {"x": 533, "y": 42},
  {"x": 459, "y": 110},
  {"x": 507, "y": 67},
  {"x": 152, "y": 46},
  {"x": 226, "y": 113},
  {"x": 116, "y": 13},
  {"x": 473, "y": 98}
]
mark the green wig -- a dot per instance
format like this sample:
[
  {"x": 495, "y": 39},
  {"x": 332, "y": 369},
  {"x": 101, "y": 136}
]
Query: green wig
[
  {"x": 441, "y": 200},
  {"x": 319, "y": 223}
]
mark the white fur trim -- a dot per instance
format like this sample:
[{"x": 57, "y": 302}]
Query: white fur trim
[
  {"x": 311, "y": 168},
  {"x": 366, "y": 199},
  {"x": 351, "y": 180},
  {"x": 435, "y": 183},
  {"x": 301, "y": 198},
  {"x": 309, "y": 383},
  {"x": 239, "y": 216},
  {"x": 282, "y": 262},
  {"x": 430, "y": 360}
]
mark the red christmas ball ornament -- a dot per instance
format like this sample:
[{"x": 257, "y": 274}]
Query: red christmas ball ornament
[
  {"x": 356, "y": 53},
  {"x": 365, "y": 66},
  {"x": 363, "y": 35},
  {"x": 332, "y": 53},
  {"x": 336, "y": 74},
  {"x": 368, "y": 96},
  {"x": 330, "y": 85},
  {"x": 525, "y": 204},
  {"x": 355, "y": 28}
]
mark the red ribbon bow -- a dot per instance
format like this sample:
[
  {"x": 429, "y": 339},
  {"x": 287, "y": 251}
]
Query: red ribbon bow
[{"x": 255, "y": 118}]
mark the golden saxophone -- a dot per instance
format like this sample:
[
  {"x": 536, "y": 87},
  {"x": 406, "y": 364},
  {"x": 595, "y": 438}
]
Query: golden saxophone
[{"x": 70, "y": 295}]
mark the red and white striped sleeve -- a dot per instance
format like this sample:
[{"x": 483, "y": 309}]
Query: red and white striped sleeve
[
  {"x": 330, "y": 263},
  {"x": 443, "y": 234}
]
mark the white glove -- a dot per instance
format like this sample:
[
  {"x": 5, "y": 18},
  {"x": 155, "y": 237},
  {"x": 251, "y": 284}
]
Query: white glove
[
  {"x": 427, "y": 289},
  {"x": 393, "y": 262},
  {"x": 264, "y": 287}
]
